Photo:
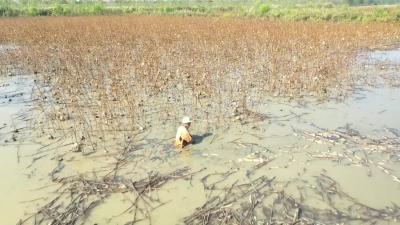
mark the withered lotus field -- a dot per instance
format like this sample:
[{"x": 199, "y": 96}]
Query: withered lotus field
[
  {"x": 105, "y": 70},
  {"x": 106, "y": 79}
]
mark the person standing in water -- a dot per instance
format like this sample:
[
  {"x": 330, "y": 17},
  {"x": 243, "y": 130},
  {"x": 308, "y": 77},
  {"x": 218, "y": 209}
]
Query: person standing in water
[{"x": 183, "y": 136}]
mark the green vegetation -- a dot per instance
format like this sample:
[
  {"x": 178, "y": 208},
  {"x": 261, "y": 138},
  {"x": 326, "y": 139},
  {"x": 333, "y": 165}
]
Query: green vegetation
[
  {"x": 8, "y": 8},
  {"x": 292, "y": 10}
]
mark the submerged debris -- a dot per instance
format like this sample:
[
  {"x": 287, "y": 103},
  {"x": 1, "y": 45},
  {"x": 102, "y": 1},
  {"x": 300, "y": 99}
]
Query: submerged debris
[
  {"x": 248, "y": 203},
  {"x": 77, "y": 196}
]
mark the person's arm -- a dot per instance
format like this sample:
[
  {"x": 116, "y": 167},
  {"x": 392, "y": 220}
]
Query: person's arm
[{"x": 186, "y": 137}]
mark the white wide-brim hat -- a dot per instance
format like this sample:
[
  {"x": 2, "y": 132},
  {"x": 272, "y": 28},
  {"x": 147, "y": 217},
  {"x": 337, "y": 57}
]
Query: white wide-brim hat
[{"x": 186, "y": 119}]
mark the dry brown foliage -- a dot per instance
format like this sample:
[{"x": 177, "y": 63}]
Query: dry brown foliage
[{"x": 115, "y": 73}]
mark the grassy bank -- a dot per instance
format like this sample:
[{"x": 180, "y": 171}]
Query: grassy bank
[{"x": 272, "y": 10}]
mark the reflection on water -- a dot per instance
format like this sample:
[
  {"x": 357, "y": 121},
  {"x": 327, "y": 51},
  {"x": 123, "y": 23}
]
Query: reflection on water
[
  {"x": 324, "y": 155},
  {"x": 390, "y": 56}
]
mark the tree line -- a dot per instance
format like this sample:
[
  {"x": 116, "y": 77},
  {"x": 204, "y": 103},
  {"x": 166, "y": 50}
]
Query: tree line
[{"x": 372, "y": 2}]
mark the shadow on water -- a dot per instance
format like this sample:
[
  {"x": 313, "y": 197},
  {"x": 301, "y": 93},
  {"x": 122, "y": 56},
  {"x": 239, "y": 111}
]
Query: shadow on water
[{"x": 198, "y": 139}]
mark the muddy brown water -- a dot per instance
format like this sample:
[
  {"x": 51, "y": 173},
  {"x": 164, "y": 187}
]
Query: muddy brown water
[{"x": 296, "y": 158}]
